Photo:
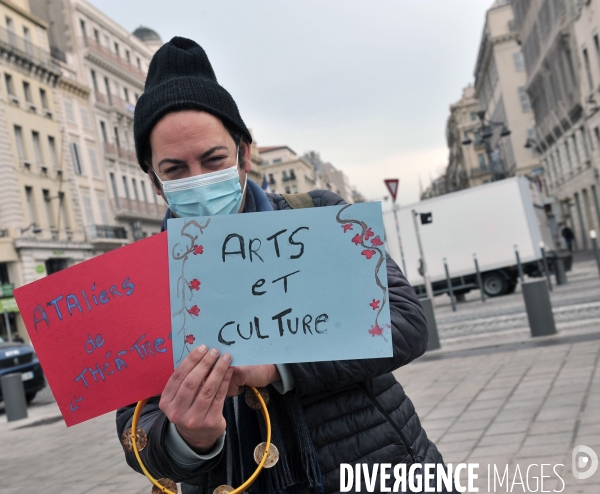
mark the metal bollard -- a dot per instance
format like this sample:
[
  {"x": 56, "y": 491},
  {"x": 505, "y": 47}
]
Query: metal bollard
[
  {"x": 14, "y": 397},
  {"x": 519, "y": 265},
  {"x": 449, "y": 285},
  {"x": 539, "y": 307},
  {"x": 434, "y": 339},
  {"x": 560, "y": 271},
  {"x": 546, "y": 269},
  {"x": 595, "y": 244},
  {"x": 479, "y": 283}
]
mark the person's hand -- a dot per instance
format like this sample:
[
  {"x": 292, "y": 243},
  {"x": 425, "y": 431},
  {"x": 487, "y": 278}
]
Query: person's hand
[
  {"x": 194, "y": 395},
  {"x": 258, "y": 376}
]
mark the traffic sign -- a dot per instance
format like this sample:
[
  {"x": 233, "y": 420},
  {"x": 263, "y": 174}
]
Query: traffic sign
[{"x": 392, "y": 185}]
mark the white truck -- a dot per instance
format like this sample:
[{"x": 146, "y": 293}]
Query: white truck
[{"x": 490, "y": 222}]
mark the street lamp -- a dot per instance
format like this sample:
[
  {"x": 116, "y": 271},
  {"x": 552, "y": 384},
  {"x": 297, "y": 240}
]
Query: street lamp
[{"x": 486, "y": 132}]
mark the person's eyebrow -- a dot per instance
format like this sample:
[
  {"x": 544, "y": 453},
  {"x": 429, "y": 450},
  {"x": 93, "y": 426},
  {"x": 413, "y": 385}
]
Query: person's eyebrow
[{"x": 203, "y": 156}]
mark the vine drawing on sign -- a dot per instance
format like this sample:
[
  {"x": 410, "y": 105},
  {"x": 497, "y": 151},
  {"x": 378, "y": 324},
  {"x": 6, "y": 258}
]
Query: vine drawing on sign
[
  {"x": 367, "y": 235},
  {"x": 186, "y": 288}
]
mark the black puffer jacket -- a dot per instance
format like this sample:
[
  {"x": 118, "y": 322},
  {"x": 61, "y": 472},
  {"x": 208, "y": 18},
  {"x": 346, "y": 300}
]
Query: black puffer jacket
[{"x": 355, "y": 409}]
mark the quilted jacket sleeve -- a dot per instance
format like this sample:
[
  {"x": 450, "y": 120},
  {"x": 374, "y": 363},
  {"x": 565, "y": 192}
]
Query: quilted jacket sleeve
[
  {"x": 155, "y": 457},
  {"x": 409, "y": 335}
]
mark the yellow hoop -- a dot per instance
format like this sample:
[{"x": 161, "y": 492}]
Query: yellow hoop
[{"x": 136, "y": 415}]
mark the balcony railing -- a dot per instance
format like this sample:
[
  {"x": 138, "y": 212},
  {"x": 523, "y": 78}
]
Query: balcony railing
[
  {"x": 25, "y": 47},
  {"x": 110, "y": 149},
  {"x": 107, "y": 231},
  {"x": 132, "y": 207},
  {"x": 126, "y": 154},
  {"x": 114, "y": 58}
]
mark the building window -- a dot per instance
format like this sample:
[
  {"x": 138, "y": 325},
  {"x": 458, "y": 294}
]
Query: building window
[
  {"x": 82, "y": 24},
  {"x": 113, "y": 183},
  {"x": 30, "y": 204},
  {"x": 10, "y": 27},
  {"x": 97, "y": 36},
  {"x": 107, "y": 87},
  {"x": 52, "y": 146},
  {"x": 48, "y": 207},
  {"x": 473, "y": 116},
  {"x": 44, "y": 99},
  {"x": 69, "y": 111},
  {"x": 94, "y": 162},
  {"x": 294, "y": 189},
  {"x": 143, "y": 184},
  {"x": 117, "y": 49},
  {"x": 37, "y": 149},
  {"x": 94, "y": 81},
  {"x": 126, "y": 94},
  {"x": 482, "y": 163},
  {"x": 271, "y": 179},
  {"x": 19, "y": 142},
  {"x": 597, "y": 48},
  {"x": 135, "y": 190},
  {"x": 287, "y": 189},
  {"x": 27, "y": 91},
  {"x": 126, "y": 186},
  {"x": 10, "y": 88},
  {"x": 518, "y": 60},
  {"x": 139, "y": 63},
  {"x": 84, "y": 118},
  {"x": 88, "y": 209},
  {"x": 292, "y": 175},
  {"x": 103, "y": 213},
  {"x": 588, "y": 70},
  {"x": 103, "y": 129},
  {"x": 128, "y": 56},
  {"x": 107, "y": 41},
  {"x": 76, "y": 159},
  {"x": 64, "y": 219},
  {"x": 277, "y": 160},
  {"x": 117, "y": 142},
  {"x": 524, "y": 99}
]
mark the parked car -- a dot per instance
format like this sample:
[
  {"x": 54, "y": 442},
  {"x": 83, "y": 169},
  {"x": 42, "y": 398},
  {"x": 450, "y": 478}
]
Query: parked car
[{"x": 20, "y": 358}]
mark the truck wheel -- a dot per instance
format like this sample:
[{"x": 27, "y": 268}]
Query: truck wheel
[{"x": 494, "y": 284}]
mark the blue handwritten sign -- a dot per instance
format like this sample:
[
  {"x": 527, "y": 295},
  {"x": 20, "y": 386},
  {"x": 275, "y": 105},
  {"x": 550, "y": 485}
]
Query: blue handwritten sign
[{"x": 301, "y": 285}]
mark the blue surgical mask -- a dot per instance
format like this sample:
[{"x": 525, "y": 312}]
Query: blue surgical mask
[{"x": 205, "y": 195}]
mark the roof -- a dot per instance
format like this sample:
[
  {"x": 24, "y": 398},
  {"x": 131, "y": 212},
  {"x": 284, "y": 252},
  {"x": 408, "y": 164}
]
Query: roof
[
  {"x": 266, "y": 149},
  {"x": 146, "y": 34}
]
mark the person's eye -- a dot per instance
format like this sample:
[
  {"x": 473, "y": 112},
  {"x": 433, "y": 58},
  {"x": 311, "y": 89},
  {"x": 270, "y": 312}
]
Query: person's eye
[{"x": 172, "y": 169}]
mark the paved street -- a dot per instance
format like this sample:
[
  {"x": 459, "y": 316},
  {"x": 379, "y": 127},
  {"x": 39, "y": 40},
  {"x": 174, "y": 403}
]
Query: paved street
[{"x": 492, "y": 395}]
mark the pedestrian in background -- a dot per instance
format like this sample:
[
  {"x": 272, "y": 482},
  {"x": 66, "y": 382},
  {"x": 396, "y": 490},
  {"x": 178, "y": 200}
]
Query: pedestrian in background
[{"x": 569, "y": 237}]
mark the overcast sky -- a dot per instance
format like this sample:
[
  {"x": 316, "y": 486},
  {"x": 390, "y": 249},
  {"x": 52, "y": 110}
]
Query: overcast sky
[{"x": 367, "y": 83}]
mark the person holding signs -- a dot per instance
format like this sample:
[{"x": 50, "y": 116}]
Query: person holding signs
[{"x": 195, "y": 148}]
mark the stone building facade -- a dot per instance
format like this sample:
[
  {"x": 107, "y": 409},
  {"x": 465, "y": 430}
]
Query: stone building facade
[{"x": 556, "y": 85}]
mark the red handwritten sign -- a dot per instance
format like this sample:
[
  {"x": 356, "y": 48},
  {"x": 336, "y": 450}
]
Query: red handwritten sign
[{"x": 101, "y": 329}]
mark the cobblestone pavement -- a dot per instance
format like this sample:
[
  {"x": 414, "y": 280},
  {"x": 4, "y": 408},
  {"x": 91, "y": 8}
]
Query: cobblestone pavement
[
  {"x": 492, "y": 395},
  {"x": 575, "y": 305}
]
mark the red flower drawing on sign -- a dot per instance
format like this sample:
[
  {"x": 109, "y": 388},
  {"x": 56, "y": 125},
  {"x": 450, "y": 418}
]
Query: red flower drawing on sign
[
  {"x": 190, "y": 339},
  {"x": 195, "y": 284},
  {"x": 357, "y": 239},
  {"x": 375, "y": 304},
  {"x": 368, "y": 253},
  {"x": 198, "y": 249},
  {"x": 376, "y": 330},
  {"x": 376, "y": 242},
  {"x": 368, "y": 234},
  {"x": 347, "y": 226},
  {"x": 194, "y": 311}
]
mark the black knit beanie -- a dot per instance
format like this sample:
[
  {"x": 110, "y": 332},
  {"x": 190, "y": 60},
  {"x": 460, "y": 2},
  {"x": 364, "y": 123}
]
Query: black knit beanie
[{"x": 180, "y": 77}]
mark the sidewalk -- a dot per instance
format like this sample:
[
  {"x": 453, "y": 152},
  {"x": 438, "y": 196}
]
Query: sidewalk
[{"x": 495, "y": 396}]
